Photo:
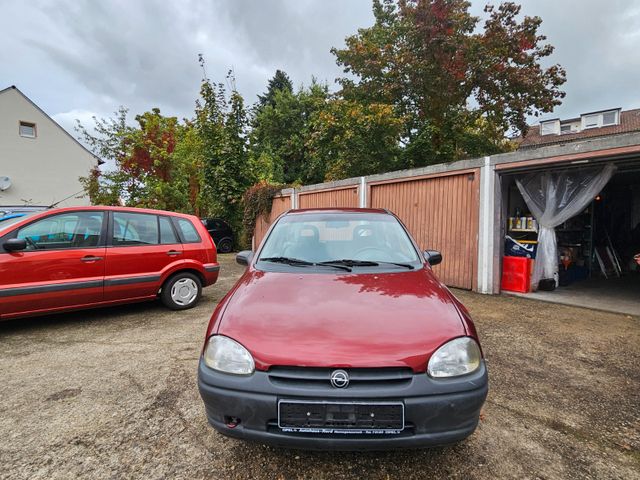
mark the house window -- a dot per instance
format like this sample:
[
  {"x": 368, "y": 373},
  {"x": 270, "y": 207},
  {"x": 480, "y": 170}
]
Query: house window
[
  {"x": 610, "y": 118},
  {"x": 591, "y": 121},
  {"x": 550, "y": 127},
  {"x": 27, "y": 130},
  {"x": 601, "y": 119},
  {"x": 565, "y": 128}
]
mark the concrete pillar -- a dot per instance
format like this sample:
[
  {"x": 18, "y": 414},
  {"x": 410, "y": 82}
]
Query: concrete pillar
[
  {"x": 486, "y": 232},
  {"x": 362, "y": 193},
  {"x": 294, "y": 198}
]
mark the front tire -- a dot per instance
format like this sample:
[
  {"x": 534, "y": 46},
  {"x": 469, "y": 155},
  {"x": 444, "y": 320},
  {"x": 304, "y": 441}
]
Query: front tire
[{"x": 181, "y": 291}]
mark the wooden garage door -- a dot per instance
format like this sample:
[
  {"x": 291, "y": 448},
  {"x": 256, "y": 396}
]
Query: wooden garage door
[
  {"x": 279, "y": 206},
  {"x": 442, "y": 214},
  {"x": 343, "y": 197}
]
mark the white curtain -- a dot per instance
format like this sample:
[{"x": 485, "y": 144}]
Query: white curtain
[{"x": 553, "y": 198}]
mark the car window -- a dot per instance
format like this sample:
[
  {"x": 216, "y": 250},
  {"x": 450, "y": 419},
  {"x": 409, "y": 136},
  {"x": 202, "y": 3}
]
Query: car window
[
  {"x": 8, "y": 219},
  {"x": 63, "y": 231},
  {"x": 211, "y": 224},
  {"x": 189, "y": 232},
  {"x": 167, "y": 234},
  {"x": 325, "y": 237},
  {"x": 135, "y": 229}
]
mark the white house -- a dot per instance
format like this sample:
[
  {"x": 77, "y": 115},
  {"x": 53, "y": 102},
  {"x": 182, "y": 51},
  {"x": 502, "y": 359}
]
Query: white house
[{"x": 40, "y": 162}]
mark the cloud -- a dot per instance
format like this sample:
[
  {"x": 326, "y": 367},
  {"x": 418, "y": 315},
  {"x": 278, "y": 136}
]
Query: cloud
[
  {"x": 78, "y": 56},
  {"x": 69, "y": 120},
  {"x": 596, "y": 42}
]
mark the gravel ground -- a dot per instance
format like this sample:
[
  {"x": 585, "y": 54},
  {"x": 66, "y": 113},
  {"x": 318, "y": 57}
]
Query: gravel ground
[{"x": 112, "y": 393}]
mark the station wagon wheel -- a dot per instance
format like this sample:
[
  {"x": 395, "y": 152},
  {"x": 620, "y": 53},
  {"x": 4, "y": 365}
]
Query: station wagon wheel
[
  {"x": 225, "y": 245},
  {"x": 181, "y": 291}
]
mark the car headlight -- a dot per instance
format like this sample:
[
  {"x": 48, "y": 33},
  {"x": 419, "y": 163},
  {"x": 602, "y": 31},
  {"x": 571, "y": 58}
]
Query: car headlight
[
  {"x": 228, "y": 356},
  {"x": 457, "y": 357}
]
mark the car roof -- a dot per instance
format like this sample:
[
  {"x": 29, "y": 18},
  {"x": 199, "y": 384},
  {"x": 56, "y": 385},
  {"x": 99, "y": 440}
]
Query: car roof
[
  {"x": 115, "y": 209},
  {"x": 40, "y": 214},
  {"x": 338, "y": 210}
]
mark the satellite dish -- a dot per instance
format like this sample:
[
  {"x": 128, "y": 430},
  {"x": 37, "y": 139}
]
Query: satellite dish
[{"x": 5, "y": 183}]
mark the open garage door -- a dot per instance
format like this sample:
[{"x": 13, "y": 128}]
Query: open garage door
[{"x": 595, "y": 247}]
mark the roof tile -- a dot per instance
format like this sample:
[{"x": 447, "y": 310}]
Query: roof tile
[{"x": 629, "y": 122}]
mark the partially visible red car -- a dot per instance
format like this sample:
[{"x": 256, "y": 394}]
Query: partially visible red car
[{"x": 75, "y": 258}]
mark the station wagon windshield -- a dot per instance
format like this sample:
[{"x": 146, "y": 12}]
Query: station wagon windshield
[{"x": 344, "y": 241}]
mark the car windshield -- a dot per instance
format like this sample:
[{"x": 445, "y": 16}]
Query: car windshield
[{"x": 351, "y": 240}]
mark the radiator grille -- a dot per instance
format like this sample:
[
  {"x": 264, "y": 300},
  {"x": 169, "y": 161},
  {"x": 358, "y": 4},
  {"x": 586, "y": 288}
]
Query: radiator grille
[{"x": 359, "y": 378}]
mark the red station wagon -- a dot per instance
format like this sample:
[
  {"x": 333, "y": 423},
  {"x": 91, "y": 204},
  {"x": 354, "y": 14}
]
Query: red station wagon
[
  {"x": 74, "y": 258},
  {"x": 339, "y": 336}
]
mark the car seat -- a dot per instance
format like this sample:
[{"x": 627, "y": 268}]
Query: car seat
[
  {"x": 308, "y": 246},
  {"x": 88, "y": 233}
]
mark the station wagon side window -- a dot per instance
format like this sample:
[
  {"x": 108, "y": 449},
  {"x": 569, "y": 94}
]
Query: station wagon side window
[
  {"x": 187, "y": 230},
  {"x": 167, "y": 233},
  {"x": 64, "y": 231},
  {"x": 131, "y": 229}
]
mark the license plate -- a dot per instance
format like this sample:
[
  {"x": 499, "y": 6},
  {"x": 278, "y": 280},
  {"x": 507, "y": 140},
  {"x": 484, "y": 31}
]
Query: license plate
[{"x": 340, "y": 417}]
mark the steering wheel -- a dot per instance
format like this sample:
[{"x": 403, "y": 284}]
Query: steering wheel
[{"x": 357, "y": 254}]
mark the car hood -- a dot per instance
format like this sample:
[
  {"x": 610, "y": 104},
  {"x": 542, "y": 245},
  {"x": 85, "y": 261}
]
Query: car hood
[{"x": 350, "y": 320}]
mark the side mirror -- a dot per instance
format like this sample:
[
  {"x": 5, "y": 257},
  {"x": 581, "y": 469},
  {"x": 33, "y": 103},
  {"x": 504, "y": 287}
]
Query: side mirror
[
  {"x": 434, "y": 257},
  {"x": 244, "y": 257},
  {"x": 15, "y": 244}
]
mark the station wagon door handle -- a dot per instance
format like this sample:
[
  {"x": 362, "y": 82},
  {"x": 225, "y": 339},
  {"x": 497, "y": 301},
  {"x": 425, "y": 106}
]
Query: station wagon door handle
[
  {"x": 173, "y": 253},
  {"x": 90, "y": 258}
]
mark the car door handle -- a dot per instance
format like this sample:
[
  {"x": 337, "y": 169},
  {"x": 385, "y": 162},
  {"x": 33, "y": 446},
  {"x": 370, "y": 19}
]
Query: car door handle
[
  {"x": 173, "y": 253},
  {"x": 90, "y": 258}
]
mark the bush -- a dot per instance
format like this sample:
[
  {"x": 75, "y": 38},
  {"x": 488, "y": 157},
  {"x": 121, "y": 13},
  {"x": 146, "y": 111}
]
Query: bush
[{"x": 257, "y": 200}]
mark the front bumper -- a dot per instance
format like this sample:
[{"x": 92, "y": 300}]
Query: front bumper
[{"x": 437, "y": 412}]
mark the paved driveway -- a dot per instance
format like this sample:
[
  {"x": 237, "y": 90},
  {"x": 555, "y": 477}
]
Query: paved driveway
[{"x": 112, "y": 394}]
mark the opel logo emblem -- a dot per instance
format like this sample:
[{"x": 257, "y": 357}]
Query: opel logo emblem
[{"x": 339, "y": 379}]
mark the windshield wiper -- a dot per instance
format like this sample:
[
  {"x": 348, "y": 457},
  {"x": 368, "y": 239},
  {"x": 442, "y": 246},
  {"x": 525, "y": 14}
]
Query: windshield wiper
[
  {"x": 363, "y": 263},
  {"x": 350, "y": 263},
  {"x": 296, "y": 262},
  {"x": 405, "y": 265},
  {"x": 287, "y": 261}
]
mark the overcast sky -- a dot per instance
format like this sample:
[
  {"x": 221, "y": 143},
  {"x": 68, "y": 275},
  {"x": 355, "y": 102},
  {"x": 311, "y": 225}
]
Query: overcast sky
[{"x": 77, "y": 58}]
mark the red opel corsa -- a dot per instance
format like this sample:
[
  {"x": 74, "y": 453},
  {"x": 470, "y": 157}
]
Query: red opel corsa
[
  {"x": 74, "y": 258},
  {"x": 339, "y": 336}
]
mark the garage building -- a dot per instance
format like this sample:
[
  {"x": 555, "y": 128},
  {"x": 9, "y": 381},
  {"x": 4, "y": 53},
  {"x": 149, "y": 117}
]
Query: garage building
[{"x": 489, "y": 229}]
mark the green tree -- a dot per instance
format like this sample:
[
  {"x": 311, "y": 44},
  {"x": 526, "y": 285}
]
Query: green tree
[
  {"x": 233, "y": 172},
  {"x": 279, "y": 83},
  {"x": 142, "y": 170},
  {"x": 452, "y": 83},
  {"x": 280, "y": 133},
  {"x": 189, "y": 155},
  {"x": 351, "y": 139},
  {"x": 151, "y": 160},
  {"x": 221, "y": 123}
]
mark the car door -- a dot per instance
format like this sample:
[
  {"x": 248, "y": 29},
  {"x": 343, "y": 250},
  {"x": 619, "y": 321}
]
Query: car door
[
  {"x": 61, "y": 267},
  {"x": 140, "y": 248}
]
